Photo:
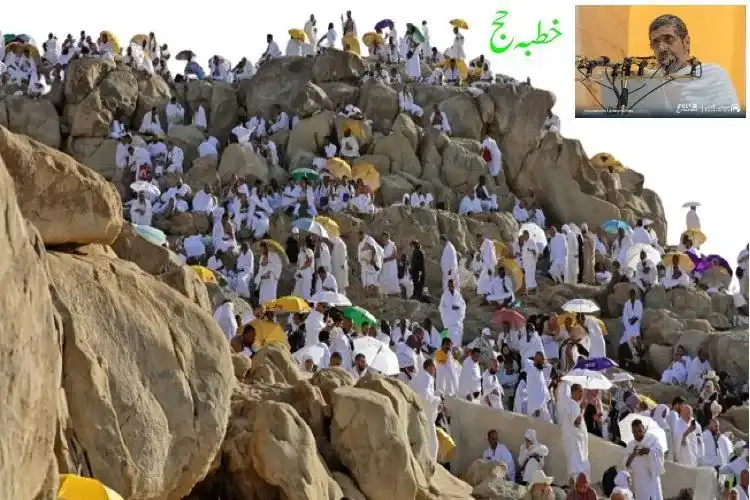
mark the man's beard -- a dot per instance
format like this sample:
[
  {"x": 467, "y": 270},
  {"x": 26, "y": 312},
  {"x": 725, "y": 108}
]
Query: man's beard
[{"x": 670, "y": 64}]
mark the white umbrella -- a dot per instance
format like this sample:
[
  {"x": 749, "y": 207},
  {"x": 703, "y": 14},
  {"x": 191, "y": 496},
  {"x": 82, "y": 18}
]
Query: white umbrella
[
  {"x": 146, "y": 188},
  {"x": 588, "y": 379},
  {"x": 626, "y": 429},
  {"x": 315, "y": 352},
  {"x": 689, "y": 204},
  {"x": 378, "y": 355},
  {"x": 313, "y": 227},
  {"x": 331, "y": 298},
  {"x": 580, "y": 306},
  {"x": 634, "y": 255},
  {"x": 536, "y": 233}
]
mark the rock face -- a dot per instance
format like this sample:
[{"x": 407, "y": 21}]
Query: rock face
[
  {"x": 147, "y": 376},
  {"x": 67, "y": 202},
  {"x": 29, "y": 357}
]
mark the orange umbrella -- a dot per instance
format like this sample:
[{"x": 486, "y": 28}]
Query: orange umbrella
[{"x": 368, "y": 173}]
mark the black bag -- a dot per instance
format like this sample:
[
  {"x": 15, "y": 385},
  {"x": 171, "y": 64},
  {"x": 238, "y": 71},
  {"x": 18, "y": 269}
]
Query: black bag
[{"x": 608, "y": 480}]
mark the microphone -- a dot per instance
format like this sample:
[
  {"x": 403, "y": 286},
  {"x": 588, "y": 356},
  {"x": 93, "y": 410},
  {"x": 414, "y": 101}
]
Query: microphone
[
  {"x": 694, "y": 64},
  {"x": 601, "y": 61}
]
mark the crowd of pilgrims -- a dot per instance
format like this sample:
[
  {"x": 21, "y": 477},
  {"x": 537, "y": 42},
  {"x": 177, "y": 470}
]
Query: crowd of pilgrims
[{"x": 516, "y": 367}]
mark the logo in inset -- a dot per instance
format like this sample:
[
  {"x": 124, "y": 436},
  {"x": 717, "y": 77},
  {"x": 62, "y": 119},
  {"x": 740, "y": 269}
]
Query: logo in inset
[{"x": 735, "y": 108}]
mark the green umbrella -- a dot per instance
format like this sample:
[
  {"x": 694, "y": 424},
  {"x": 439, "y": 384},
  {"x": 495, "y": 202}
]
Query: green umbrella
[
  {"x": 444, "y": 333},
  {"x": 307, "y": 174},
  {"x": 8, "y": 37},
  {"x": 359, "y": 316},
  {"x": 416, "y": 35}
]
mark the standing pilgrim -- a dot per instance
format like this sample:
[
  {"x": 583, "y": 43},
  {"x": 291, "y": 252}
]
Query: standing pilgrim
[
  {"x": 340, "y": 264},
  {"x": 470, "y": 379},
  {"x": 269, "y": 273},
  {"x": 632, "y": 314},
  {"x": 571, "y": 268},
  {"x": 453, "y": 312},
  {"x": 558, "y": 255},
  {"x": 645, "y": 459},
  {"x": 537, "y": 387},
  {"x": 588, "y": 248},
  {"x": 597, "y": 346},
  {"x": 575, "y": 434},
  {"x": 691, "y": 219},
  {"x": 489, "y": 262},
  {"x": 424, "y": 385},
  {"x": 529, "y": 255},
  {"x": 492, "y": 391},
  {"x": 492, "y": 155},
  {"x": 305, "y": 271},
  {"x": 369, "y": 255},
  {"x": 449, "y": 263},
  {"x": 389, "y": 275}
]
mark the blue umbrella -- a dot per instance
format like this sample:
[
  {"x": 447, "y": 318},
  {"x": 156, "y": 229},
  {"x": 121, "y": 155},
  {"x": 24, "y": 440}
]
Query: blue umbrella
[
  {"x": 385, "y": 23},
  {"x": 612, "y": 225},
  {"x": 152, "y": 234},
  {"x": 594, "y": 364}
]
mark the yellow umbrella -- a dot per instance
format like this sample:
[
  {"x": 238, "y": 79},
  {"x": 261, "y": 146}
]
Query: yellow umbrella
[
  {"x": 446, "y": 446},
  {"x": 601, "y": 324},
  {"x": 511, "y": 267},
  {"x": 460, "y": 24},
  {"x": 297, "y": 34},
  {"x": 288, "y": 304},
  {"x": 268, "y": 333},
  {"x": 463, "y": 70},
  {"x": 205, "y": 274},
  {"x": 139, "y": 39},
  {"x": 19, "y": 47},
  {"x": 695, "y": 235},
  {"x": 604, "y": 161},
  {"x": 355, "y": 126},
  {"x": 501, "y": 250},
  {"x": 685, "y": 262},
  {"x": 351, "y": 44},
  {"x": 329, "y": 225},
  {"x": 275, "y": 246},
  {"x": 562, "y": 317},
  {"x": 338, "y": 168},
  {"x": 112, "y": 39},
  {"x": 649, "y": 402},
  {"x": 74, "y": 487},
  {"x": 371, "y": 37},
  {"x": 368, "y": 173}
]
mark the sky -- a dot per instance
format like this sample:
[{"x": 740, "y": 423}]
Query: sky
[{"x": 682, "y": 160}]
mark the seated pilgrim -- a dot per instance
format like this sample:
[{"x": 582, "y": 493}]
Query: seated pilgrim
[
  {"x": 151, "y": 123},
  {"x": 241, "y": 135},
  {"x": 215, "y": 263},
  {"x": 326, "y": 281},
  {"x": 244, "y": 70},
  {"x": 349, "y": 146},
  {"x": 272, "y": 50},
  {"x": 436, "y": 77},
  {"x": 351, "y": 111},
  {"x": 420, "y": 199},
  {"x": 498, "y": 452},
  {"x": 487, "y": 200},
  {"x": 173, "y": 200},
  {"x": 259, "y": 212},
  {"x": 342, "y": 197},
  {"x": 140, "y": 211},
  {"x": 697, "y": 369},
  {"x": 362, "y": 203},
  {"x": 677, "y": 371},
  {"x": 486, "y": 74},
  {"x": 193, "y": 247},
  {"x": 531, "y": 456},
  {"x": 470, "y": 204},
  {"x": 175, "y": 113},
  {"x": 675, "y": 277},
  {"x": 451, "y": 74},
  {"x": 293, "y": 48},
  {"x": 406, "y": 103},
  {"x": 439, "y": 120},
  {"x": 269, "y": 151},
  {"x": 602, "y": 275},
  {"x": 117, "y": 130},
  {"x": 280, "y": 120},
  {"x": 329, "y": 151},
  {"x": 209, "y": 147},
  {"x": 38, "y": 86},
  {"x": 223, "y": 235},
  {"x": 520, "y": 213},
  {"x": 396, "y": 77},
  {"x": 291, "y": 195},
  {"x": 256, "y": 125},
  {"x": 646, "y": 276},
  {"x": 715, "y": 279},
  {"x": 501, "y": 289}
]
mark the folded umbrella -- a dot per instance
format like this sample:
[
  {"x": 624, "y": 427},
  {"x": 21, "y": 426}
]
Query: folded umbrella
[
  {"x": 459, "y": 23},
  {"x": 311, "y": 226},
  {"x": 287, "y": 304},
  {"x": 510, "y": 316},
  {"x": 359, "y": 316},
  {"x": 501, "y": 250},
  {"x": 383, "y": 24},
  {"x": 580, "y": 306},
  {"x": 446, "y": 446}
]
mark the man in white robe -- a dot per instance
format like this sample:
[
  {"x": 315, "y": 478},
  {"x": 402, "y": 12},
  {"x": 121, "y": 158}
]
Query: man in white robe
[
  {"x": 597, "y": 345},
  {"x": 340, "y": 263},
  {"x": 537, "y": 387},
  {"x": 495, "y": 161},
  {"x": 325, "y": 281},
  {"x": 175, "y": 113},
  {"x": 697, "y": 368},
  {"x": 632, "y": 314},
  {"x": 691, "y": 218},
  {"x": 492, "y": 391},
  {"x": 413, "y": 64},
  {"x": 406, "y": 103},
  {"x": 269, "y": 273},
  {"x": 646, "y": 275},
  {"x": 574, "y": 433},
  {"x": 199, "y": 118},
  {"x": 470, "y": 204},
  {"x": 447, "y": 369},
  {"x": 449, "y": 263},
  {"x": 151, "y": 123},
  {"x": 498, "y": 452},
  {"x": 140, "y": 211},
  {"x": 644, "y": 458},
  {"x": 439, "y": 120},
  {"x": 717, "y": 448},
  {"x": 424, "y": 385},
  {"x": 677, "y": 371},
  {"x": 305, "y": 272},
  {"x": 369, "y": 255},
  {"x": 452, "y": 313},
  {"x": 571, "y": 267},
  {"x": 529, "y": 256},
  {"x": 501, "y": 290},
  {"x": 389, "y": 274},
  {"x": 489, "y": 262},
  {"x": 640, "y": 234},
  {"x": 470, "y": 379},
  {"x": 558, "y": 254},
  {"x": 687, "y": 438},
  {"x": 314, "y": 324},
  {"x": 225, "y": 317}
]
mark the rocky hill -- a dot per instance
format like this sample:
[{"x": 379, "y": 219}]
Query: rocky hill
[{"x": 112, "y": 364}]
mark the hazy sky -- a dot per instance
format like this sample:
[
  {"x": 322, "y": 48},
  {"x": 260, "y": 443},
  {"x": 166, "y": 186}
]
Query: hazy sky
[{"x": 689, "y": 159}]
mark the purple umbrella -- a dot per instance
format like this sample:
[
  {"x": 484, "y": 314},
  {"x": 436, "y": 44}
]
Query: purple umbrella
[
  {"x": 706, "y": 262},
  {"x": 594, "y": 364},
  {"x": 385, "y": 23},
  {"x": 697, "y": 261}
]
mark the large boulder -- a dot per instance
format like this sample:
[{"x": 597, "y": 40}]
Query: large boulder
[
  {"x": 36, "y": 118},
  {"x": 29, "y": 357},
  {"x": 67, "y": 202},
  {"x": 147, "y": 377},
  {"x": 243, "y": 162},
  {"x": 97, "y": 153}
]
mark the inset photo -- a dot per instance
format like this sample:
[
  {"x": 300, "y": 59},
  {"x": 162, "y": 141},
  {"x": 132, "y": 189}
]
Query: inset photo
[{"x": 660, "y": 61}]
